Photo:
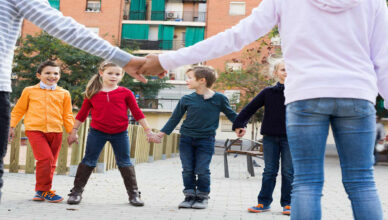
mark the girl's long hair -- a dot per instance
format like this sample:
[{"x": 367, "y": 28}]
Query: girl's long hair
[{"x": 95, "y": 83}]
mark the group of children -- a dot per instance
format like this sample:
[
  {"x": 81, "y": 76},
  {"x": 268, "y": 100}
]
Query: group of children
[{"x": 47, "y": 107}]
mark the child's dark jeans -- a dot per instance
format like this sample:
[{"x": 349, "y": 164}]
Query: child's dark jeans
[
  {"x": 96, "y": 142},
  {"x": 196, "y": 155},
  {"x": 5, "y": 108}
]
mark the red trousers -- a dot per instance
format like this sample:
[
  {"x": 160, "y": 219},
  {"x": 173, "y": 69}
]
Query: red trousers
[{"x": 46, "y": 148}]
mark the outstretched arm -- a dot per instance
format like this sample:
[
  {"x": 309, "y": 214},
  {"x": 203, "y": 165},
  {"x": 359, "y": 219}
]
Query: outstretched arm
[
  {"x": 67, "y": 29},
  {"x": 260, "y": 22}
]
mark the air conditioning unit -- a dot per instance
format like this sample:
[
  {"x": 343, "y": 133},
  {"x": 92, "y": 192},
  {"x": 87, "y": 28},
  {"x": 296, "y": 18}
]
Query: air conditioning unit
[{"x": 171, "y": 14}]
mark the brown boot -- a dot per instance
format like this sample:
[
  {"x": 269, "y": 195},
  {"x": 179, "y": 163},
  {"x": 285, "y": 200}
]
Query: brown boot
[
  {"x": 81, "y": 178},
  {"x": 129, "y": 176}
]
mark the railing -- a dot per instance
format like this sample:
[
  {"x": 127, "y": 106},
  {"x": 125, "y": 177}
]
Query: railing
[
  {"x": 153, "y": 45},
  {"x": 189, "y": 16},
  {"x": 70, "y": 157}
]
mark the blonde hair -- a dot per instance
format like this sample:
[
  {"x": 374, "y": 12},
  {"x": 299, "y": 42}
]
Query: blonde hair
[
  {"x": 275, "y": 66},
  {"x": 95, "y": 83},
  {"x": 206, "y": 72}
]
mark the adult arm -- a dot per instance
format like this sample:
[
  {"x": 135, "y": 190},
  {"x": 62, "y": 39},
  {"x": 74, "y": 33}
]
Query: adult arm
[
  {"x": 67, "y": 29},
  {"x": 249, "y": 29}
]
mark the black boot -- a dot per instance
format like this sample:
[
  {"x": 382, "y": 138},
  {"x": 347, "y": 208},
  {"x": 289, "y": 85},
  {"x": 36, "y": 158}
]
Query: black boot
[
  {"x": 129, "y": 177},
  {"x": 81, "y": 178}
]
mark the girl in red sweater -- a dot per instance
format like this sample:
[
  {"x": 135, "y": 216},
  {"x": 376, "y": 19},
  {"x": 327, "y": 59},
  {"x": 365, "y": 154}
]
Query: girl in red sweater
[{"x": 109, "y": 104}]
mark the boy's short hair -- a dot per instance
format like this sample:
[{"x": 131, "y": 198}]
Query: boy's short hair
[
  {"x": 204, "y": 72},
  {"x": 46, "y": 64}
]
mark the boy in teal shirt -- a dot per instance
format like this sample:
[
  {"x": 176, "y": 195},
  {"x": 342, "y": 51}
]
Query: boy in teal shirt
[{"x": 198, "y": 130}]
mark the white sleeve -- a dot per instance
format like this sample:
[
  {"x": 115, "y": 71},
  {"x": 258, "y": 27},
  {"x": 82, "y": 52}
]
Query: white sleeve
[
  {"x": 251, "y": 28},
  {"x": 379, "y": 50},
  {"x": 40, "y": 13}
]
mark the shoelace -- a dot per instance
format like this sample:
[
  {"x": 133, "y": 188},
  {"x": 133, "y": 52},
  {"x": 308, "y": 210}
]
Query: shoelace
[
  {"x": 287, "y": 207},
  {"x": 50, "y": 193},
  {"x": 260, "y": 206}
]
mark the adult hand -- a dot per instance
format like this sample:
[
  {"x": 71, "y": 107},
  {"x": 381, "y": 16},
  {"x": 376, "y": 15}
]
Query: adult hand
[
  {"x": 152, "y": 66},
  {"x": 240, "y": 132},
  {"x": 133, "y": 66}
]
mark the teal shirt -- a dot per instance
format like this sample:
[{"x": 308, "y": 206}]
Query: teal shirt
[{"x": 202, "y": 117}]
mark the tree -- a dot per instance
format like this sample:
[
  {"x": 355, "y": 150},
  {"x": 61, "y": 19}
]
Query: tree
[
  {"x": 251, "y": 78},
  {"x": 77, "y": 68}
]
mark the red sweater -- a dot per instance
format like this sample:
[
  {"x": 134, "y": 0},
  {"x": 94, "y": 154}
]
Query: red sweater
[{"x": 110, "y": 110}]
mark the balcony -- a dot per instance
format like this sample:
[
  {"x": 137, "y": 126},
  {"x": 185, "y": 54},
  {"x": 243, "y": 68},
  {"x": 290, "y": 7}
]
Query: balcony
[
  {"x": 153, "y": 45},
  {"x": 186, "y": 16}
]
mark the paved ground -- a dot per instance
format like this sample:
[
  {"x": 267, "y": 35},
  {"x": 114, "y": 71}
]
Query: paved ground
[{"x": 160, "y": 183}]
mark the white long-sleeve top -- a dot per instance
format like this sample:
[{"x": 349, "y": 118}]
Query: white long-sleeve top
[
  {"x": 39, "y": 12},
  {"x": 332, "y": 48}
]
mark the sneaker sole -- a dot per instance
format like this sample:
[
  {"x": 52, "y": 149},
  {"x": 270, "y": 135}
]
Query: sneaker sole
[
  {"x": 258, "y": 211},
  {"x": 38, "y": 199},
  {"x": 55, "y": 201},
  {"x": 286, "y": 213}
]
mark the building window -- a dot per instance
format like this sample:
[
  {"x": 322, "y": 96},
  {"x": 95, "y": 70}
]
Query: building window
[
  {"x": 93, "y": 5},
  {"x": 234, "y": 67},
  {"x": 237, "y": 8}
]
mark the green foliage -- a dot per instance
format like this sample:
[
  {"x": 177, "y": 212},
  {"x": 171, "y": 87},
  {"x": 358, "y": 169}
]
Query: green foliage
[{"x": 77, "y": 68}]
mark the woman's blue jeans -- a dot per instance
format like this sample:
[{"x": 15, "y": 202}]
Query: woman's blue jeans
[
  {"x": 353, "y": 124},
  {"x": 96, "y": 142},
  {"x": 276, "y": 149}
]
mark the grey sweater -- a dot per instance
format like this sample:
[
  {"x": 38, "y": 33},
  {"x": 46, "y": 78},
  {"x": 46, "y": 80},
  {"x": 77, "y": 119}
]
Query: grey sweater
[{"x": 39, "y": 12}]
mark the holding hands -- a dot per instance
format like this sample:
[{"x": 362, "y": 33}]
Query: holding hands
[
  {"x": 240, "y": 132},
  {"x": 73, "y": 137},
  {"x": 155, "y": 138},
  {"x": 137, "y": 67}
]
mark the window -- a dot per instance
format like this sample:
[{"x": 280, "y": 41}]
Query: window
[
  {"x": 233, "y": 96},
  {"x": 93, "y": 5},
  {"x": 237, "y": 8}
]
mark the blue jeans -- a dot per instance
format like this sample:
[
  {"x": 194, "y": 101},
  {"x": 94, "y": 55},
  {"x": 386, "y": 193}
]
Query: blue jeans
[
  {"x": 196, "y": 155},
  {"x": 353, "y": 124},
  {"x": 5, "y": 108},
  {"x": 276, "y": 148},
  {"x": 96, "y": 141}
]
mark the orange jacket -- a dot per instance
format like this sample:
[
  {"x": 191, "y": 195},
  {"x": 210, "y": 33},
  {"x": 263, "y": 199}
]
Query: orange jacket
[{"x": 44, "y": 110}]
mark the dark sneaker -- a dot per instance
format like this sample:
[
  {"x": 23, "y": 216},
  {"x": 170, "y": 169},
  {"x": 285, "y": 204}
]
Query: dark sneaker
[
  {"x": 38, "y": 197},
  {"x": 286, "y": 210},
  {"x": 188, "y": 202},
  {"x": 50, "y": 196},
  {"x": 259, "y": 208},
  {"x": 200, "y": 203}
]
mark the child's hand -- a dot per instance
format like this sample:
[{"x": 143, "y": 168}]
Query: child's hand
[
  {"x": 73, "y": 137},
  {"x": 11, "y": 134},
  {"x": 240, "y": 132}
]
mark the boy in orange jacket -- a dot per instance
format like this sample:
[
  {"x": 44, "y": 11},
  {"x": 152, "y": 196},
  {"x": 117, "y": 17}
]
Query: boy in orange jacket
[{"x": 46, "y": 107}]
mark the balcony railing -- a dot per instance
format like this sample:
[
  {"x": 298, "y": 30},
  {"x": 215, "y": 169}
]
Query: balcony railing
[
  {"x": 189, "y": 16},
  {"x": 153, "y": 45}
]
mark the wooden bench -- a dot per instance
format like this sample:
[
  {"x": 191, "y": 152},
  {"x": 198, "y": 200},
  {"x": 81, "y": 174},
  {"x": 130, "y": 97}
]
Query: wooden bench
[{"x": 255, "y": 150}]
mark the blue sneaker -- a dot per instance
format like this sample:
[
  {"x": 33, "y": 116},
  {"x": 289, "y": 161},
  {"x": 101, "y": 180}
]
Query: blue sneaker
[
  {"x": 38, "y": 197},
  {"x": 50, "y": 196},
  {"x": 259, "y": 208},
  {"x": 287, "y": 210}
]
